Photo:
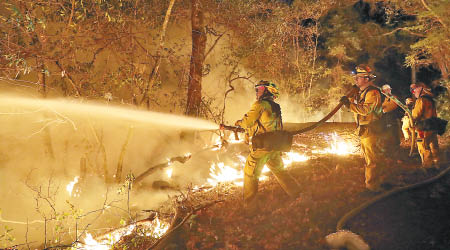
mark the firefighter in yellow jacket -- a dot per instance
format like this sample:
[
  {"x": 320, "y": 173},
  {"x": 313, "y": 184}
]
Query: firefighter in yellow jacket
[
  {"x": 367, "y": 110},
  {"x": 264, "y": 116},
  {"x": 406, "y": 126},
  {"x": 424, "y": 108},
  {"x": 391, "y": 118}
]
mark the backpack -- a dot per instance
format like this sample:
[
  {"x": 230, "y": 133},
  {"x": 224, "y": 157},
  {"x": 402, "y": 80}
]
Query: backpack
[
  {"x": 435, "y": 124},
  {"x": 279, "y": 140}
]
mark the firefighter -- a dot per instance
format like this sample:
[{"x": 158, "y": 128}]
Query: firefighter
[
  {"x": 367, "y": 110},
  {"x": 406, "y": 128},
  {"x": 264, "y": 116},
  {"x": 424, "y": 108},
  {"x": 391, "y": 118}
]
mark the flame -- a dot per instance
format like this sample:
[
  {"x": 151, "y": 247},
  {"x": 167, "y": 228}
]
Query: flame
[
  {"x": 338, "y": 146},
  {"x": 106, "y": 241},
  {"x": 71, "y": 184},
  {"x": 169, "y": 172},
  {"x": 218, "y": 142},
  {"x": 155, "y": 228},
  {"x": 291, "y": 157},
  {"x": 158, "y": 228},
  {"x": 221, "y": 173},
  {"x": 232, "y": 138}
]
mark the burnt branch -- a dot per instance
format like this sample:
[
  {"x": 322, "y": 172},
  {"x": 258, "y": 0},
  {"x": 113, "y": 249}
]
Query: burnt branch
[
  {"x": 213, "y": 32},
  {"x": 231, "y": 87},
  {"x": 174, "y": 228}
]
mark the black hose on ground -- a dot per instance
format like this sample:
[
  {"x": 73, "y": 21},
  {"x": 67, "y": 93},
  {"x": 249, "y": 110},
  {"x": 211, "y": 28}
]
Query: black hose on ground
[{"x": 341, "y": 223}]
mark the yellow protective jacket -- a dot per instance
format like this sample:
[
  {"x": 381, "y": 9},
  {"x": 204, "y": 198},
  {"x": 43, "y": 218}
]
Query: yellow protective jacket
[
  {"x": 423, "y": 109},
  {"x": 389, "y": 105},
  {"x": 260, "y": 111},
  {"x": 368, "y": 106}
]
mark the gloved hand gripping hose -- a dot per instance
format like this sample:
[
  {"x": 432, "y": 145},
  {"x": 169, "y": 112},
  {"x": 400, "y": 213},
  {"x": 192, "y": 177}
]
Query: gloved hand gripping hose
[{"x": 353, "y": 91}]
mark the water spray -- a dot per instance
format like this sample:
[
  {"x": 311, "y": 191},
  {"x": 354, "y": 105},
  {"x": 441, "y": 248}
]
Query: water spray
[{"x": 60, "y": 107}]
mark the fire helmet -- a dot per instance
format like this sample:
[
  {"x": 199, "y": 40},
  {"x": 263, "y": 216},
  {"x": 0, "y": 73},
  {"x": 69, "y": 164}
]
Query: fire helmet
[
  {"x": 270, "y": 87},
  {"x": 422, "y": 87},
  {"x": 364, "y": 71},
  {"x": 409, "y": 101},
  {"x": 386, "y": 87}
]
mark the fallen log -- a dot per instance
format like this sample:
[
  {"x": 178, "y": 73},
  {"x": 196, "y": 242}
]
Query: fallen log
[{"x": 151, "y": 170}]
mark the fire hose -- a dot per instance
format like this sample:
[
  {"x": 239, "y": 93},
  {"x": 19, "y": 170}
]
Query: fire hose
[
  {"x": 353, "y": 91},
  {"x": 408, "y": 113},
  {"x": 352, "y": 213}
]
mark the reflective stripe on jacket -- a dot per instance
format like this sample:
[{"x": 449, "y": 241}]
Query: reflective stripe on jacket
[{"x": 368, "y": 107}]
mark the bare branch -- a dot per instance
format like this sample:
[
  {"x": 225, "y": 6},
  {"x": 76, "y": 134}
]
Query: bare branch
[
  {"x": 430, "y": 10},
  {"x": 161, "y": 46},
  {"x": 193, "y": 211},
  {"x": 214, "y": 44},
  {"x": 405, "y": 29}
]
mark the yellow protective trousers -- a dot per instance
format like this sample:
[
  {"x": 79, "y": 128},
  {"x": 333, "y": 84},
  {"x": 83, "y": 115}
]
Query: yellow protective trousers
[
  {"x": 428, "y": 148},
  {"x": 375, "y": 170},
  {"x": 252, "y": 170}
]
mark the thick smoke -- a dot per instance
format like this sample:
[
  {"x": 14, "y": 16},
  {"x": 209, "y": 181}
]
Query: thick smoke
[{"x": 45, "y": 143}]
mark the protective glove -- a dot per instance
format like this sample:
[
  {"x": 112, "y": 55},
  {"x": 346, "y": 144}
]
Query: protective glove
[{"x": 345, "y": 101}]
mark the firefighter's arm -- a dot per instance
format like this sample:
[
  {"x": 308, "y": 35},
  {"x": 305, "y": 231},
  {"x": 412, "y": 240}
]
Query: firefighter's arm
[
  {"x": 252, "y": 116},
  {"x": 371, "y": 100},
  {"x": 418, "y": 109}
]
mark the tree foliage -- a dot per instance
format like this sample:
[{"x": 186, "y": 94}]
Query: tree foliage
[
  {"x": 109, "y": 49},
  {"x": 432, "y": 30}
]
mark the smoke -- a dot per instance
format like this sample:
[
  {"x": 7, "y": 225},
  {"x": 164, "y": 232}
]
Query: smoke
[
  {"x": 45, "y": 144},
  {"x": 239, "y": 101}
]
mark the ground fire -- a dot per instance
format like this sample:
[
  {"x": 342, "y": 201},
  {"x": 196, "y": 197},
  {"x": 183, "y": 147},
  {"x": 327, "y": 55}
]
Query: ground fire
[{"x": 229, "y": 125}]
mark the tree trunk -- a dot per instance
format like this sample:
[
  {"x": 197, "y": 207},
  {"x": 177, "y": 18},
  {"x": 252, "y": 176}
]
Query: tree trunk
[
  {"x": 442, "y": 61},
  {"x": 42, "y": 82},
  {"x": 194, "y": 97}
]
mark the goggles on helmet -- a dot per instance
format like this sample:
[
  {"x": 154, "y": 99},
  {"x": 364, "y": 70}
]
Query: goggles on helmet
[{"x": 269, "y": 86}]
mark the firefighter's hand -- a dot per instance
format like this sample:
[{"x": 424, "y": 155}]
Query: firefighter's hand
[
  {"x": 345, "y": 101},
  {"x": 238, "y": 123}
]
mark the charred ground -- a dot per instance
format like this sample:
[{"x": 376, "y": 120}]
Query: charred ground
[{"x": 332, "y": 185}]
